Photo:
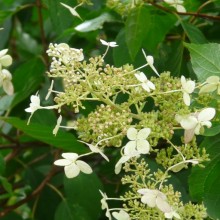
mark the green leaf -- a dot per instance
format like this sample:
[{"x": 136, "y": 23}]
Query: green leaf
[
  {"x": 205, "y": 59},
  {"x": 68, "y": 211},
  {"x": 135, "y": 29},
  {"x": 175, "y": 50},
  {"x": 27, "y": 78},
  {"x": 60, "y": 18},
  {"x": 26, "y": 44},
  {"x": 156, "y": 27},
  {"x": 204, "y": 183},
  {"x": 214, "y": 130},
  {"x": 4, "y": 14},
  {"x": 95, "y": 23},
  {"x": 63, "y": 140},
  {"x": 193, "y": 33},
  {"x": 84, "y": 191},
  {"x": 46, "y": 196}
]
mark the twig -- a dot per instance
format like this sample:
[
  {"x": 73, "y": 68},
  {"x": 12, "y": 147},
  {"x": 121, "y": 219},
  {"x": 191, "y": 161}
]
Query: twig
[
  {"x": 32, "y": 195},
  {"x": 196, "y": 14}
]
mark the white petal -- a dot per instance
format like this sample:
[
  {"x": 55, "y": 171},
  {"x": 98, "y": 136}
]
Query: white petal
[
  {"x": 207, "y": 124},
  {"x": 35, "y": 99},
  {"x": 70, "y": 156},
  {"x": 62, "y": 162},
  {"x": 8, "y": 87},
  {"x": 178, "y": 167},
  {"x": 197, "y": 129},
  {"x": 188, "y": 135},
  {"x": 3, "y": 52},
  {"x": 29, "y": 109},
  {"x": 144, "y": 191},
  {"x": 84, "y": 167},
  {"x": 145, "y": 87},
  {"x": 180, "y": 8},
  {"x": 150, "y": 60},
  {"x": 141, "y": 77},
  {"x": 49, "y": 90},
  {"x": 72, "y": 10},
  {"x": 213, "y": 79},
  {"x": 206, "y": 114},
  {"x": 132, "y": 133},
  {"x": 121, "y": 215},
  {"x": 143, "y": 133},
  {"x": 183, "y": 80},
  {"x": 163, "y": 205},
  {"x": 190, "y": 86},
  {"x": 55, "y": 130},
  {"x": 143, "y": 146},
  {"x": 118, "y": 165},
  {"x": 130, "y": 149},
  {"x": 6, "y": 60},
  {"x": 149, "y": 199},
  {"x": 208, "y": 88},
  {"x": 95, "y": 149},
  {"x": 113, "y": 44},
  {"x": 189, "y": 122},
  {"x": 104, "y": 42},
  {"x": 186, "y": 98},
  {"x": 72, "y": 170},
  {"x": 151, "y": 85}
]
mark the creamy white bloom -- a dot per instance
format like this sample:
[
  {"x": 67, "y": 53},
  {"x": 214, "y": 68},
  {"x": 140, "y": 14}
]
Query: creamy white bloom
[
  {"x": 213, "y": 83},
  {"x": 172, "y": 214},
  {"x": 194, "y": 123},
  {"x": 121, "y": 215},
  {"x": 138, "y": 140},
  {"x": 95, "y": 149},
  {"x": 155, "y": 198},
  {"x": 150, "y": 62},
  {"x": 177, "y": 4},
  {"x": 5, "y": 60},
  {"x": 72, "y": 10},
  {"x": 145, "y": 83},
  {"x": 34, "y": 105},
  {"x": 183, "y": 164},
  {"x": 109, "y": 44},
  {"x": 73, "y": 166},
  {"x": 187, "y": 88},
  {"x": 105, "y": 205},
  {"x": 5, "y": 81}
]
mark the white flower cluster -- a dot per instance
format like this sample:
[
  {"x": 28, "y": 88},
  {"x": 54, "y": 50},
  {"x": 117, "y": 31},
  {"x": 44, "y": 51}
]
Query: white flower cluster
[
  {"x": 5, "y": 75},
  {"x": 193, "y": 124},
  {"x": 62, "y": 54}
]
